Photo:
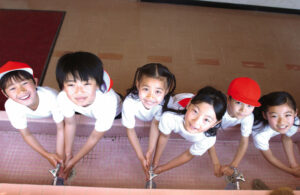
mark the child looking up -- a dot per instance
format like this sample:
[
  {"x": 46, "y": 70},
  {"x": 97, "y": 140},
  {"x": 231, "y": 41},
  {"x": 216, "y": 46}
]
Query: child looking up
[
  {"x": 243, "y": 94},
  {"x": 27, "y": 100},
  {"x": 197, "y": 123},
  {"x": 277, "y": 116},
  {"x": 151, "y": 91},
  {"x": 86, "y": 89}
]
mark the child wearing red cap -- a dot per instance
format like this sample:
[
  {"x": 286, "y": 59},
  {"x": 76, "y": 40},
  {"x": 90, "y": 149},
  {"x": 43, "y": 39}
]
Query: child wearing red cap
[
  {"x": 243, "y": 95},
  {"x": 277, "y": 116},
  {"x": 86, "y": 89},
  {"x": 27, "y": 100}
]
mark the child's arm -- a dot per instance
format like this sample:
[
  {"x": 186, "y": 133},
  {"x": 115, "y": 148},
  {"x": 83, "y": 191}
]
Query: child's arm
[
  {"x": 133, "y": 139},
  {"x": 214, "y": 158},
  {"x": 88, "y": 146},
  {"x": 153, "y": 136},
  {"x": 289, "y": 150},
  {"x": 60, "y": 139},
  {"x": 226, "y": 169},
  {"x": 274, "y": 161},
  {"x": 161, "y": 144},
  {"x": 180, "y": 160},
  {"x": 33, "y": 143},
  {"x": 70, "y": 130}
]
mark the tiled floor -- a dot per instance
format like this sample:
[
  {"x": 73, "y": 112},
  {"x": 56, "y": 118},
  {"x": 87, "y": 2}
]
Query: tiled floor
[{"x": 112, "y": 163}]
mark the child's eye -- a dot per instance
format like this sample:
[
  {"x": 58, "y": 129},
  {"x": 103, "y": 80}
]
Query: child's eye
[
  {"x": 25, "y": 82},
  {"x": 87, "y": 84},
  {"x": 158, "y": 92},
  {"x": 249, "y": 106},
  {"x": 273, "y": 116},
  {"x": 288, "y": 115},
  {"x": 70, "y": 85},
  {"x": 207, "y": 120},
  {"x": 195, "y": 111},
  {"x": 145, "y": 89},
  {"x": 11, "y": 89},
  {"x": 237, "y": 102}
]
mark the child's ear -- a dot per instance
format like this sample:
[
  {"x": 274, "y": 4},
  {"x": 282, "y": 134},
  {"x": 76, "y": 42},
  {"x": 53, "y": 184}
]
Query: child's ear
[
  {"x": 264, "y": 115},
  {"x": 36, "y": 80},
  {"x": 3, "y": 92}
]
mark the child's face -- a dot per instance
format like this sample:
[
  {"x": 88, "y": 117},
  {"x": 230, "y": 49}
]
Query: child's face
[
  {"x": 200, "y": 117},
  {"x": 152, "y": 91},
  {"x": 81, "y": 93},
  {"x": 23, "y": 92},
  {"x": 237, "y": 109},
  {"x": 281, "y": 118}
]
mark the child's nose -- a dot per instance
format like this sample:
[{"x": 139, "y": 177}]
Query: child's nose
[
  {"x": 78, "y": 89},
  {"x": 21, "y": 89},
  {"x": 149, "y": 94},
  {"x": 281, "y": 120}
]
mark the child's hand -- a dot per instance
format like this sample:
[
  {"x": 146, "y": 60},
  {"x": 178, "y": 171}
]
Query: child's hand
[
  {"x": 145, "y": 168},
  {"x": 217, "y": 170},
  {"x": 54, "y": 159},
  {"x": 227, "y": 170},
  {"x": 148, "y": 159},
  {"x": 157, "y": 170},
  {"x": 296, "y": 171},
  {"x": 67, "y": 169}
]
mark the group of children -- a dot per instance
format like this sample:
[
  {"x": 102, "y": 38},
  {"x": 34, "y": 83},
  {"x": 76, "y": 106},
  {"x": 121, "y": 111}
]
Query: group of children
[{"x": 87, "y": 89}]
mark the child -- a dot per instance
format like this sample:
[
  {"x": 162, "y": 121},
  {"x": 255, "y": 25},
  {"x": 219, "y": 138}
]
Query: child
[
  {"x": 243, "y": 94},
  {"x": 86, "y": 89},
  {"x": 152, "y": 87},
  {"x": 277, "y": 115},
  {"x": 197, "y": 123},
  {"x": 26, "y": 100}
]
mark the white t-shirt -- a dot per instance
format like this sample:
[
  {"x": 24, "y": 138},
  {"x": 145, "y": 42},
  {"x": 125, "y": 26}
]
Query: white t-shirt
[
  {"x": 104, "y": 109},
  {"x": 246, "y": 123},
  {"x": 262, "y": 134},
  {"x": 134, "y": 108},
  {"x": 172, "y": 122},
  {"x": 18, "y": 113}
]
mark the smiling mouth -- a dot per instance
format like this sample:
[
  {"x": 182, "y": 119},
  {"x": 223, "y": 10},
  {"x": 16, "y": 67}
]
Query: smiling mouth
[
  {"x": 25, "y": 97},
  {"x": 80, "y": 99}
]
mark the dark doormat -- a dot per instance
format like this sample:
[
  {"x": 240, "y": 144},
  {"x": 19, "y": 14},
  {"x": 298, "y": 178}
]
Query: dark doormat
[{"x": 28, "y": 36}]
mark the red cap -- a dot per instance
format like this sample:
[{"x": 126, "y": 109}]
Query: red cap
[
  {"x": 12, "y": 66},
  {"x": 245, "y": 90}
]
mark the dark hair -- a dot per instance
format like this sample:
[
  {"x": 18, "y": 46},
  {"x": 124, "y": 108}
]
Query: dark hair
[
  {"x": 154, "y": 70},
  {"x": 17, "y": 75},
  {"x": 82, "y": 65},
  {"x": 213, "y": 97},
  {"x": 272, "y": 99}
]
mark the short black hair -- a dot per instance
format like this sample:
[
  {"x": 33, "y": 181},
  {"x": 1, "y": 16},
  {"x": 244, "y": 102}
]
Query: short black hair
[
  {"x": 82, "y": 65},
  {"x": 17, "y": 75}
]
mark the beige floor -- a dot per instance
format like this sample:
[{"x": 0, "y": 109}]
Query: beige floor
[{"x": 202, "y": 46}]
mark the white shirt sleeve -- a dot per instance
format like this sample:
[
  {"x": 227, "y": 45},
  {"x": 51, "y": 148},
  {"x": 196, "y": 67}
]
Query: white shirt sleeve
[
  {"x": 16, "y": 114},
  {"x": 246, "y": 125},
  {"x": 128, "y": 113},
  {"x": 105, "y": 111},
  {"x": 65, "y": 105},
  {"x": 166, "y": 124},
  {"x": 55, "y": 109}
]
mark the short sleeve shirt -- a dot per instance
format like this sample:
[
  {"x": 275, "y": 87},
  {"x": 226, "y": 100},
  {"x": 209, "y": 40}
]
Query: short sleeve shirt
[
  {"x": 246, "y": 123},
  {"x": 263, "y": 134},
  {"x": 104, "y": 109},
  {"x": 18, "y": 113},
  {"x": 171, "y": 122},
  {"x": 134, "y": 108}
]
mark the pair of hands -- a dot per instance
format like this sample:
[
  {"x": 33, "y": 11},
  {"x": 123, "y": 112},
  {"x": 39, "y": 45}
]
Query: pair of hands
[
  {"x": 220, "y": 170},
  {"x": 146, "y": 164},
  {"x": 54, "y": 159},
  {"x": 296, "y": 171}
]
